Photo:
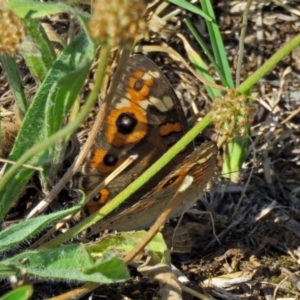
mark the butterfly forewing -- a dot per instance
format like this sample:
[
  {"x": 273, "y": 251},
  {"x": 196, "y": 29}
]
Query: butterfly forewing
[{"x": 144, "y": 119}]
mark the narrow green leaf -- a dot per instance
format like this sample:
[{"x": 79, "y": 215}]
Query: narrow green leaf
[
  {"x": 191, "y": 7},
  {"x": 217, "y": 43},
  {"x": 200, "y": 66},
  {"x": 15, "y": 81},
  {"x": 39, "y": 52},
  {"x": 71, "y": 262},
  {"x": 18, "y": 233},
  {"x": 40, "y": 121}
]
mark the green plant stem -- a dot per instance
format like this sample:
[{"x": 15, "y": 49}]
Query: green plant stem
[
  {"x": 114, "y": 203},
  {"x": 71, "y": 127},
  {"x": 269, "y": 64}
]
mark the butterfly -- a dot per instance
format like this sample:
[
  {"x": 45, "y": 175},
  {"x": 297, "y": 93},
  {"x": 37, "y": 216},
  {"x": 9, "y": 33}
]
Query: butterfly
[{"x": 145, "y": 118}]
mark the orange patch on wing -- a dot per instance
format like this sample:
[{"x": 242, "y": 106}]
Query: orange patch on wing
[
  {"x": 138, "y": 74},
  {"x": 93, "y": 205},
  {"x": 168, "y": 128},
  {"x": 143, "y": 93},
  {"x": 118, "y": 139},
  {"x": 98, "y": 164}
]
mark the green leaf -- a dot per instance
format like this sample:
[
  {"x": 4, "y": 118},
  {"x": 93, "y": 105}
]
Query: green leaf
[
  {"x": 71, "y": 262},
  {"x": 47, "y": 114},
  {"x": 191, "y": 7},
  {"x": 15, "y": 82},
  {"x": 124, "y": 242},
  {"x": 35, "y": 9},
  {"x": 215, "y": 37},
  {"x": 38, "y": 51},
  {"x": 6, "y": 271},
  {"x": 18, "y": 233},
  {"x": 159, "y": 250},
  {"x": 200, "y": 66},
  {"x": 21, "y": 293}
]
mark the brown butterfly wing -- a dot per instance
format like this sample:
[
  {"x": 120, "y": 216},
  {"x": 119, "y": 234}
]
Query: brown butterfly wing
[
  {"x": 146, "y": 119},
  {"x": 200, "y": 165}
]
